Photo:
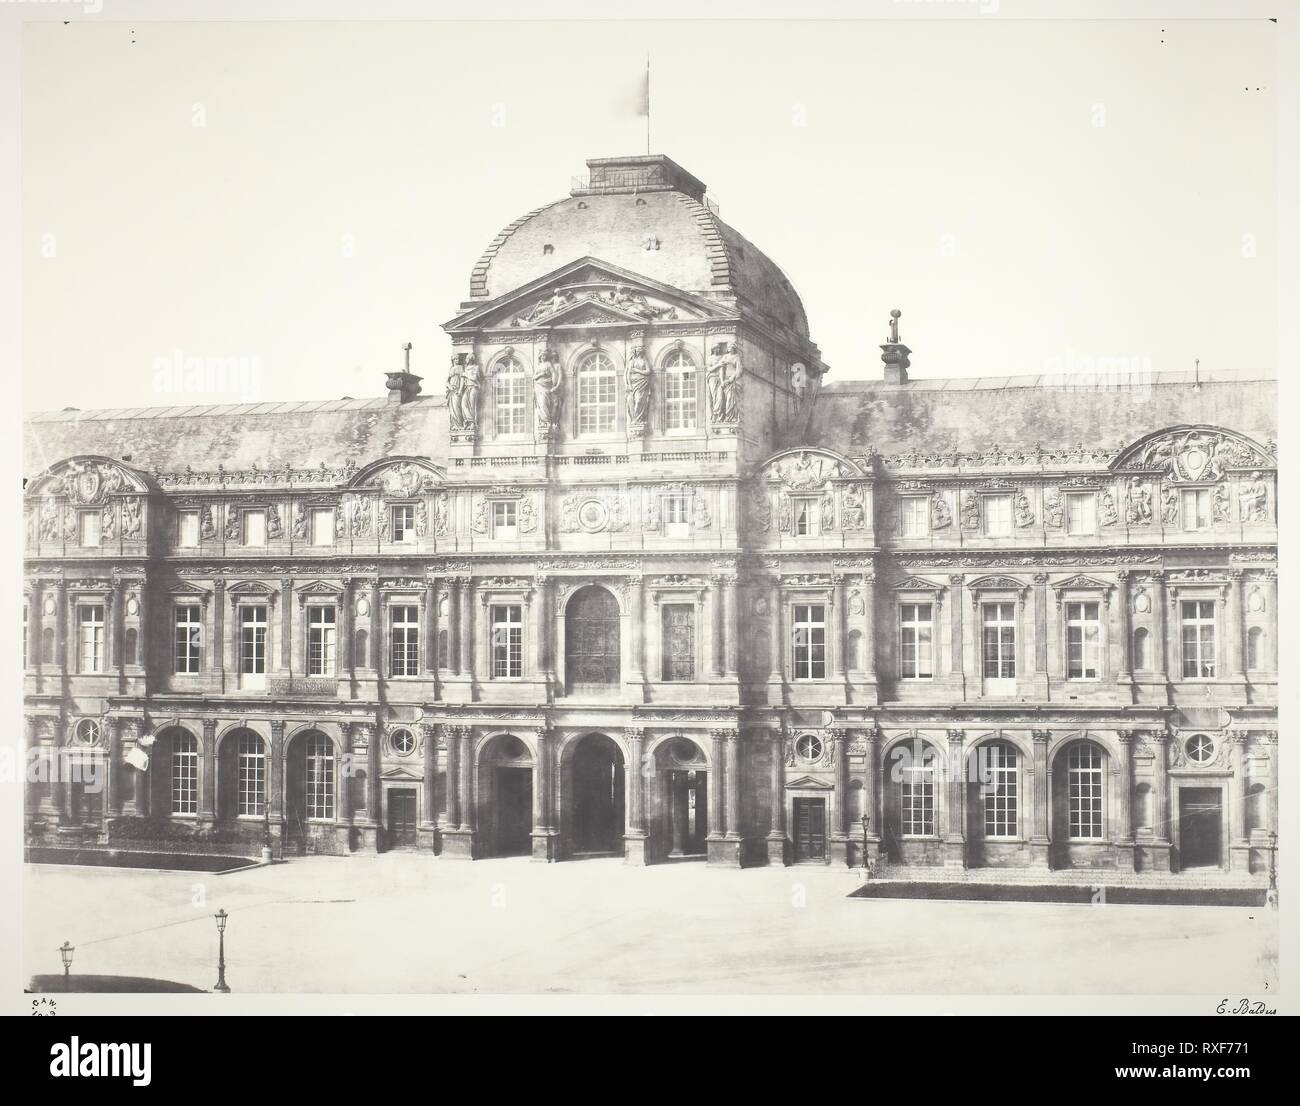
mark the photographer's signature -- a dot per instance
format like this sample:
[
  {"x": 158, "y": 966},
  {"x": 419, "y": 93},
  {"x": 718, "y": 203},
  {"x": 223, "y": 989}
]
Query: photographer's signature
[{"x": 1243, "y": 1006}]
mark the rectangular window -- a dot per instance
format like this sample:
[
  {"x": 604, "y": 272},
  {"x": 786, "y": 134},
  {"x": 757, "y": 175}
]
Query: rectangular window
[
  {"x": 677, "y": 516},
  {"x": 88, "y": 528},
  {"x": 807, "y": 522},
  {"x": 916, "y": 641},
  {"x": 1083, "y": 640},
  {"x": 916, "y": 798},
  {"x": 1084, "y": 782},
  {"x": 322, "y": 526},
  {"x": 320, "y": 778},
  {"x": 997, "y": 515},
  {"x": 321, "y": 641},
  {"x": 405, "y": 641},
  {"x": 914, "y": 516},
  {"x": 187, "y": 529},
  {"x": 597, "y": 398},
  {"x": 1195, "y": 503},
  {"x": 90, "y": 626},
  {"x": 254, "y": 527},
  {"x": 403, "y": 522},
  {"x": 252, "y": 640},
  {"x": 505, "y": 519},
  {"x": 677, "y": 629},
  {"x": 185, "y": 776},
  {"x": 999, "y": 641},
  {"x": 999, "y": 781},
  {"x": 809, "y": 641},
  {"x": 189, "y": 637},
  {"x": 679, "y": 395},
  {"x": 1198, "y": 639},
  {"x": 507, "y": 642},
  {"x": 1081, "y": 513},
  {"x": 252, "y": 775}
]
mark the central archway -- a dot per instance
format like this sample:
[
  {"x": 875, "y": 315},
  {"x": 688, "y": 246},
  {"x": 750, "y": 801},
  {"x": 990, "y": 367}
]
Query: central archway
[
  {"x": 597, "y": 787},
  {"x": 506, "y": 796}
]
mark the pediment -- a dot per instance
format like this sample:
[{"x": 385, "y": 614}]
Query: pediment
[
  {"x": 250, "y": 587},
  {"x": 399, "y": 477},
  {"x": 809, "y": 469},
  {"x": 583, "y": 293},
  {"x": 400, "y": 774},
  {"x": 1194, "y": 454},
  {"x": 996, "y": 583},
  {"x": 88, "y": 480},
  {"x": 1081, "y": 582},
  {"x": 185, "y": 591},
  {"x": 918, "y": 583},
  {"x": 808, "y": 783},
  {"x": 320, "y": 588}
]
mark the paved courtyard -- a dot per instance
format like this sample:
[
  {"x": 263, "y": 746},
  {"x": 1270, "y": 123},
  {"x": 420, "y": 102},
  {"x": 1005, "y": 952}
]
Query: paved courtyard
[{"x": 411, "y": 923}]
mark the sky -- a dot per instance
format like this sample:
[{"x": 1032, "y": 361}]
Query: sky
[{"x": 291, "y": 203}]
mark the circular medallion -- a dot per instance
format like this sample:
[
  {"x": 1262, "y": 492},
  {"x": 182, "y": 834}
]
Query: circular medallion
[
  {"x": 1200, "y": 749},
  {"x": 593, "y": 515},
  {"x": 1142, "y": 603},
  {"x": 1256, "y": 601},
  {"x": 363, "y": 607},
  {"x": 132, "y": 607},
  {"x": 50, "y": 605}
]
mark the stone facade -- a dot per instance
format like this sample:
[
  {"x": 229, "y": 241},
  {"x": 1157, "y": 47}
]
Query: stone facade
[{"x": 639, "y": 582}]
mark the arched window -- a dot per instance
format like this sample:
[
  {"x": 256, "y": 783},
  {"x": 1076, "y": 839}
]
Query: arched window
[
  {"x": 185, "y": 773},
  {"x": 1000, "y": 780},
  {"x": 679, "y": 392},
  {"x": 1255, "y": 658},
  {"x": 597, "y": 394},
  {"x": 251, "y": 752},
  {"x": 1084, "y": 780},
  {"x": 320, "y": 776},
  {"x": 511, "y": 397},
  {"x": 1141, "y": 649},
  {"x": 591, "y": 638}
]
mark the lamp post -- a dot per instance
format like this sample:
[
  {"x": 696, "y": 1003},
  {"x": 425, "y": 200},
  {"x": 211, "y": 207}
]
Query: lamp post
[
  {"x": 221, "y": 987},
  {"x": 65, "y": 951},
  {"x": 1272, "y": 863},
  {"x": 866, "y": 850}
]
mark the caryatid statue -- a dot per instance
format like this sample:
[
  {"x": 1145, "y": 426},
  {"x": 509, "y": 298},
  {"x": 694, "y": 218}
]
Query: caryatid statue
[
  {"x": 547, "y": 381},
  {"x": 637, "y": 383},
  {"x": 455, "y": 388},
  {"x": 471, "y": 383}
]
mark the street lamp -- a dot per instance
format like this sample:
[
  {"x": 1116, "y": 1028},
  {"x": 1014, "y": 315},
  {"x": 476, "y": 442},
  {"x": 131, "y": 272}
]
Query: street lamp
[
  {"x": 866, "y": 849},
  {"x": 221, "y": 917},
  {"x": 65, "y": 951}
]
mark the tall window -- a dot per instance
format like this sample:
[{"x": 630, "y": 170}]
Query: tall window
[
  {"x": 597, "y": 394},
  {"x": 403, "y": 521},
  {"x": 1083, "y": 640},
  {"x": 507, "y": 641},
  {"x": 916, "y": 641},
  {"x": 322, "y": 526},
  {"x": 187, "y": 529},
  {"x": 90, "y": 626},
  {"x": 1195, "y": 504},
  {"x": 1081, "y": 513},
  {"x": 185, "y": 774},
  {"x": 1000, "y": 782},
  {"x": 999, "y": 641},
  {"x": 189, "y": 637},
  {"x": 252, "y": 774},
  {"x": 809, "y": 641},
  {"x": 320, "y": 776},
  {"x": 679, "y": 392},
  {"x": 1084, "y": 784},
  {"x": 807, "y": 522},
  {"x": 677, "y": 516},
  {"x": 914, "y": 516},
  {"x": 512, "y": 397},
  {"x": 321, "y": 641},
  {"x": 88, "y": 528},
  {"x": 405, "y": 651},
  {"x": 997, "y": 514},
  {"x": 505, "y": 519},
  {"x": 1198, "y": 639},
  {"x": 252, "y": 640},
  {"x": 678, "y": 641},
  {"x": 916, "y": 795},
  {"x": 254, "y": 527}
]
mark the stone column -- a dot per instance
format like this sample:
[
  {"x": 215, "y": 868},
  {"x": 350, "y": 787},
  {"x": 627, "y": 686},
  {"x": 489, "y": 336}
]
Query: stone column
[
  {"x": 452, "y": 659},
  {"x": 781, "y": 621},
  {"x": 954, "y": 852},
  {"x": 428, "y": 630},
  {"x": 1161, "y": 621},
  {"x": 1240, "y": 834},
  {"x": 839, "y": 629},
  {"x": 871, "y": 793},
  {"x": 1040, "y": 624},
  {"x": 61, "y": 606},
  {"x": 286, "y": 626},
  {"x": 1160, "y": 789},
  {"x": 451, "y": 815},
  {"x": 732, "y": 742},
  {"x": 776, "y": 798},
  {"x": 1233, "y": 612},
  {"x": 347, "y": 769},
  {"x": 375, "y": 788},
  {"x": 1040, "y": 842},
  {"x": 839, "y": 837},
  {"x": 347, "y": 629},
  {"x": 1272, "y": 744},
  {"x": 731, "y": 627},
  {"x": 1122, "y": 777},
  {"x": 110, "y": 744},
  {"x": 776, "y": 631},
  {"x": 112, "y": 625},
  {"x": 1125, "y": 600},
  {"x": 34, "y": 626},
  {"x": 466, "y": 627},
  {"x": 716, "y": 843},
  {"x": 634, "y": 851},
  {"x": 427, "y": 832},
  {"x": 869, "y": 627},
  {"x": 545, "y": 838},
  {"x": 543, "y": 630},
  {"x": 129, "y": 731},
  {"x": 714, "y": 665},
  {"x": 208, "y": 773},
  {"x": 218, "y": 647},
  {"x": 466, "y": 766},
  {"x": 958, "y": 653},
  {"x": 275, "y": 807}
]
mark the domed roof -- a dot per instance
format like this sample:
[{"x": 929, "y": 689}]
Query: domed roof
[{"x": 648, "y": 215}]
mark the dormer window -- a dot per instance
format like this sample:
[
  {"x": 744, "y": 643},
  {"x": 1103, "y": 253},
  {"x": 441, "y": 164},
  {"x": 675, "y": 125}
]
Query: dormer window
[
  {"x": 403, "y": 522},
  {"x": 806, "y": 518}
]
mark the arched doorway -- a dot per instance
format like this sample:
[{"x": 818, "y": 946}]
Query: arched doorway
[
  {"x": 506, "y": 797},
  {"x": 1079, "y": 800},
  {"x": 310, "y": 783},
  {"x": 174, "y": 771},
  {"x": 683, "y": 801},
  {"x": 243, "y": 773},
  {"x": 596, "y": 787},
  {"x": 592, "y": 659}
]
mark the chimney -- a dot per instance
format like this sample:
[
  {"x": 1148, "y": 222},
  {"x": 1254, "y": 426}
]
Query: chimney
[
  {"x": 403, "y": 386},
  {"x": 894, "y": 354}
]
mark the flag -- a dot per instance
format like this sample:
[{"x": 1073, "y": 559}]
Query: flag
[{"x": 138, "y": 758}]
